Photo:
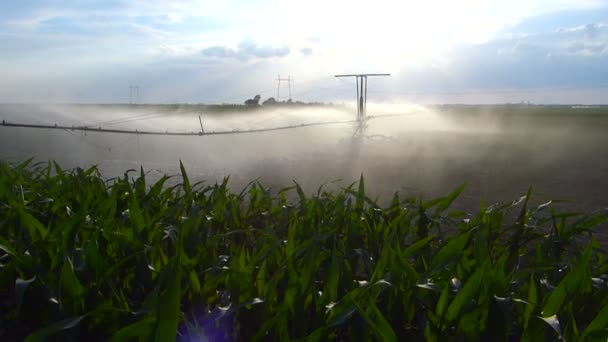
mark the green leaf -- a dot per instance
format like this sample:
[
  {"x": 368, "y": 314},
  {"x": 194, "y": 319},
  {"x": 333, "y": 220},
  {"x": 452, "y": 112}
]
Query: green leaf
[
  {"x": 449, "y": 252},
  {"x": 34, "y": 228},
  {"x": 44, "y": 333},
  {"x": 69, "y": 280},
  {"x": 374, "y": 318},
  {"x": 521, "y": 220},
  {"x": 333, "y": 279},
  {"x": 58, "y": 170},
  {"x": 599, "y": 324},
  {"x": 93, "y": 258},
  {"x": 20, "y": 286},
  {"x": 194, "y": 282},
  {"x": 135, "y": 213},
  {"x": 569, "y": 286},
  {"x": 317, "y": 335},
  {"x": 301, "y": 194},
  {"x": 449, "y": 199},
  {"x": 591, "y": 221},
  {"x": 23, "y": 261},
  {"x": 467, "y": 293},
  {"x": 341, "y": 312},
  {"x": 361, "y": 193},
  {"x": 186, "y": 181},
  {"x": 553, "y": 322},
  {"x": 442, "y": 303},
  {"x": 235, "y": 308},
  {"x": 142, "y": 330},
  {"x": 8, "y": 250},
  {"x": 142, "y": 180},
  {"x": 416, "y": 246},
  {"x": 292, "y": 242},
  {"x": 24, "y": 164},
  {"x": 168, "y": 310},
  {"x": 532, "y": 299}
]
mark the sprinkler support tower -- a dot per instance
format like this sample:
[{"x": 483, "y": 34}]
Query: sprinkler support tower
[{"x": 361, "y": 93}]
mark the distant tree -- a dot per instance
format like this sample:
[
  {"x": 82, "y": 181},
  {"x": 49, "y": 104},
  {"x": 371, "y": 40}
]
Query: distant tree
[
  {"x": 269, "y": 101},
  {"x": 255, "y": 101}
]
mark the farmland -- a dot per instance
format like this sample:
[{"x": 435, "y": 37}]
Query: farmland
[
  {"x": 499, "y": 151},
  {"x": 124, "y": 259},
  {"x": 403, "y": 252}
]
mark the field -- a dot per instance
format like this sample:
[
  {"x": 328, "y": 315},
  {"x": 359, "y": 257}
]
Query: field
[
  {"x": 138, "y": 256},
  {"x": 126, "y": 260},
  {"x": 499, "y": 151}
]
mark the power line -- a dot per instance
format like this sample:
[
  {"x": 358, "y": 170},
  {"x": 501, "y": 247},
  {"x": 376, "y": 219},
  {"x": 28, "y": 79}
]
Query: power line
[{"x": 321, "y": 79}]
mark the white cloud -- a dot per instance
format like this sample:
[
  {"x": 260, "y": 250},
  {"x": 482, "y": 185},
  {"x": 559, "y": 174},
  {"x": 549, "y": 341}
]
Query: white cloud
[
  {"x": 306, "y": 51},
  {"x": 245, "y": 51}
]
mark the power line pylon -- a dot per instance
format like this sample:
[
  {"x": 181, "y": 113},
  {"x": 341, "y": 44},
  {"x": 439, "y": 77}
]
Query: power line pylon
[
  {"x": 133, "y": 94},
  {"x": 279, "y": 79},
  {"x": 361, "y": 93}
]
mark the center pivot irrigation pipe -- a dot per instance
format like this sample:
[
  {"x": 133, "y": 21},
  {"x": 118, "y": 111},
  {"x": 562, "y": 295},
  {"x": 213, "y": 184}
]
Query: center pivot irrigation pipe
[
  {"x": 201, "y": 133},
  {"x": 125, "y": 131}
]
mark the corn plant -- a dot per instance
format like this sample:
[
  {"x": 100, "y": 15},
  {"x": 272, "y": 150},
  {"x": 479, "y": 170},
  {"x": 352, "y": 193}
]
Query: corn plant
[{"x": 125, "y": 260}]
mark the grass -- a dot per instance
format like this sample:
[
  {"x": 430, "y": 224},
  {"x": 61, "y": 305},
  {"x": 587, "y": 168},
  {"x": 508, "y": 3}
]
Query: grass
[{"x": 82, "y": 257}]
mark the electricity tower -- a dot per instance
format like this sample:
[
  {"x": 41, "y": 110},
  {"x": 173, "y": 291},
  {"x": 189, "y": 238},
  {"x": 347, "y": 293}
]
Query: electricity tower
[
  {"x": 133, "y": 94},
  {"x": 279, "y": 79}
]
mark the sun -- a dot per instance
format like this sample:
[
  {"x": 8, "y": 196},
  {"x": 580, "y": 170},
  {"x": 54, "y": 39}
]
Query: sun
[{"x": 384, "y": 34}]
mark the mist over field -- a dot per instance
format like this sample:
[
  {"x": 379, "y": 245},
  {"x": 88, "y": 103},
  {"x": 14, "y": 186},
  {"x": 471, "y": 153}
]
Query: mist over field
[
  {"x": 499, "y": 151},
  {"x": 497, "y": 52}
]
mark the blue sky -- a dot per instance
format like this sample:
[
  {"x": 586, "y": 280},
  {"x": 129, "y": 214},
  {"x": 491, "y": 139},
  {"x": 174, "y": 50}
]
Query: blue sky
[{"x": 472, "y": 51}]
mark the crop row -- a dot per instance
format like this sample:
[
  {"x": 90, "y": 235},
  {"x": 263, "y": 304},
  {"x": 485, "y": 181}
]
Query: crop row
[{"x": 82, "y": 257}]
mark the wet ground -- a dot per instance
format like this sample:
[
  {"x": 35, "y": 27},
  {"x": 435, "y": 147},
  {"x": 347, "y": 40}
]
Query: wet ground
[{"x": 498, "y": 151}]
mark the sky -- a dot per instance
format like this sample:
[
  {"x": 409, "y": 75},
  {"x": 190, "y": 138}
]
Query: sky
[{"x": 186, "y": 51}]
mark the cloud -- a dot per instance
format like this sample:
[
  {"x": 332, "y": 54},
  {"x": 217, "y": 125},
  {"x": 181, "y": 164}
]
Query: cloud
[
  {"x": 51, "y": 44},
  {"x": 589, "y": 30},
  {"x": 306, "y": 51},
  {"x": 530, "y": 64},
  {"x": 246, "y": 50},
  {"x": 567, "y": 59},
  {"x": 588, "y": 49},
  {"x": 219, "y": 51}
]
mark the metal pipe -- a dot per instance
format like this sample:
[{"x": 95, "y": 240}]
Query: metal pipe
[
  {"x": 85, "y": 129},
  {"x": 365, "y": 98},
  {"x": 357, "y": 99}
]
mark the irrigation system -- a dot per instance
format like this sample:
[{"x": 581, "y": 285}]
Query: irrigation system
[
  {"x": 361, "y": 86},
  {"x": 200, "y": 133}
]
